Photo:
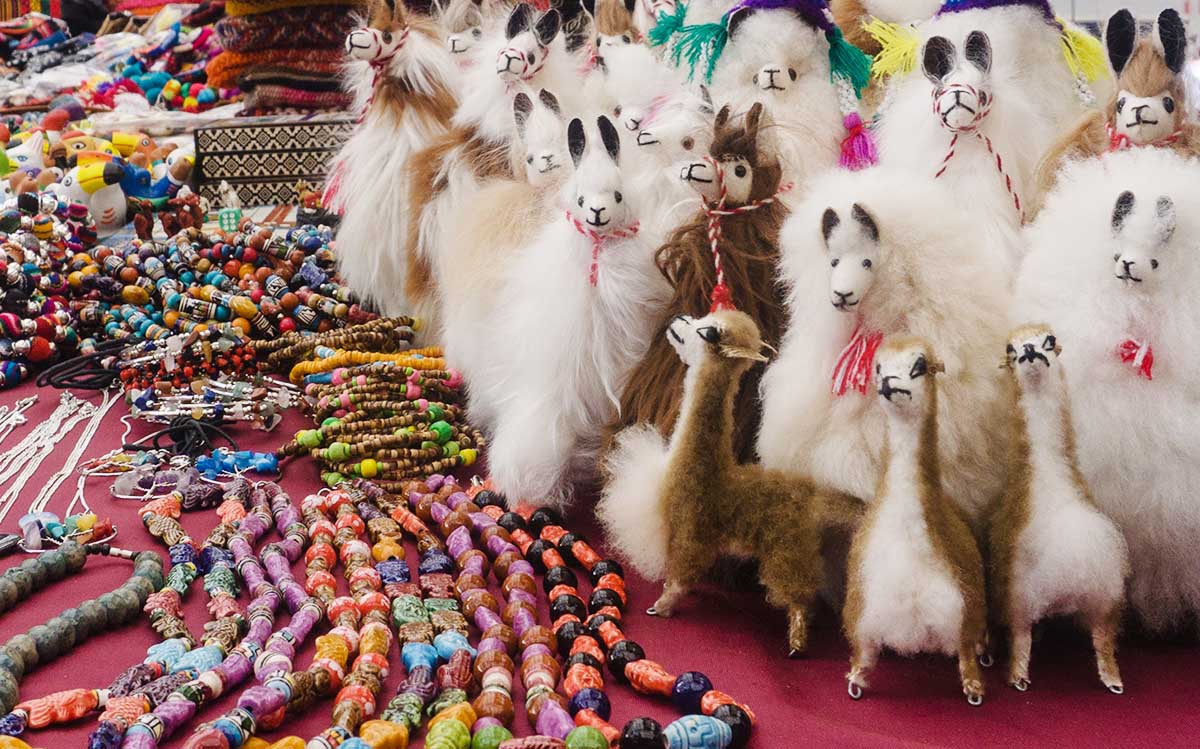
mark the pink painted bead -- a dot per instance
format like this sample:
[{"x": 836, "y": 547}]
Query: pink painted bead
[
  {"x": 347, "y": 634},
  {"x": 412, "y": 392},
  {"x": 357, "y": 547},
  {"x": 455, "y": 379},
  {"x": 344, "y": 399},
  {"x": 368, "y": 575}
]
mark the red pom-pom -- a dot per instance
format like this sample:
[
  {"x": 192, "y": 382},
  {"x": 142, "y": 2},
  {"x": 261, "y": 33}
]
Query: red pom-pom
[
  {"x": 722, "y": 298},
  {"x": 40, "y": 349}
]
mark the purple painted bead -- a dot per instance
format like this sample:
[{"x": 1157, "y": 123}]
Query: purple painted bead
[
  {"x": 439, "y": 512},
  {"x": 261, "y": 700},
  {"x": 536, "y": 648},
  {"x": 490, "y": 644},
  {"x": 523, "y": 620},
  {"x": 554, "y": 721},
  {"x": 485, "y": 618},
  {"x": 516, "y": 594},
  {"x": 520, "y": 566}
]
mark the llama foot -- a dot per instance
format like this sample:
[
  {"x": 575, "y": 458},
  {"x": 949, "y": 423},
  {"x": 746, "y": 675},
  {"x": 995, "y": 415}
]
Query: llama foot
[
  {"x": 973, "y": 689},
  {"x": 856, "y": 682},
  {"x": 983, "y": 653},
  {"x": 665, "y": 605},
  {"x": 1019, "y": 683},
  {"x": 1113, "y": 682},
  {"x": 797, "y": 633}
]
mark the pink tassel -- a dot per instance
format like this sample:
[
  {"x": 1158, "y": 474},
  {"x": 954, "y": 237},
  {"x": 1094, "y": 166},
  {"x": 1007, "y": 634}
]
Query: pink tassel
[{"x": 858, "y": 149}]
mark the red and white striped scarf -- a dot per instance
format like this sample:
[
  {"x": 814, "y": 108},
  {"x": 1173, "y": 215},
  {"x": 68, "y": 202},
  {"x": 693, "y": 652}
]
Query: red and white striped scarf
[
  {"x": 1139, "y": 355},
  {"x": 853, "y": 368}
]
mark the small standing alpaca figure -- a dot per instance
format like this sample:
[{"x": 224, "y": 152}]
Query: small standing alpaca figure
[
  {"x": 1052, "y": 550},
  {"x": 915, "y": 575},
  {"x": 712, "y": 506}
]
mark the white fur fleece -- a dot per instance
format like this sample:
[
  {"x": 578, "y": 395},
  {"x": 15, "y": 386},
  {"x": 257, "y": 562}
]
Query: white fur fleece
[
  {"x": 803, "y": 126},
  {"x": 902, "y": 11},
  {"x": 372, "y": 167},
  {"x": 1034, "y": 103},
  {"x": 1139, "y": 440},
  {"x": 630, "y": 507},
  {"x": 932, "y": 279},
  {"x": 1070, "y": 557},
  {"x": 563, "y": 351}
]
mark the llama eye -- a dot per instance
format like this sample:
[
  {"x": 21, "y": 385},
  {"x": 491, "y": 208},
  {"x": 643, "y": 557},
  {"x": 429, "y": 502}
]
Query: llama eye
[
  {"x": 1116, "y": 257},
  {"x": 580, "y": 201},
  {"x": 867, "y": 264},
  {"x": 834, "y": 263},
  {"x": 983, "y": 98},
  {"x": 599, "y": 40},
  {"x": 710, "y": 333},
  {"x": 387, "y": 37},
  {"x": 528, "y": 159},
  {"x": 687, "y": 143},
  {"x": 1120, "y": 104},
  {"x": 617, "y": 196},
  {"x": 617, "y": 111},
  {"x": 477, "y": 33},
  {"x": 1168, "y": 104},
  {"x": 1153, "y": 264},
  {"x": 739, "y": 171},
  {"x": 919, "y": 368},
  {"x": 792, "y": 73},
  {"x": 1049, "y": 343},
  {"x": 532, "y": 59},
  {"x": 754, "y": 80},
  {"x": 1012, "y": 352},
  {"x": 625, "y": 38}
]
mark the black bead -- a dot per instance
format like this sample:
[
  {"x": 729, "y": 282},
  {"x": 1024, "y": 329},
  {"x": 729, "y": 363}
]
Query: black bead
[
  {"x": 737, "y": 719},
  {"x": 604, "y": 567},
  {"x": 511, "y": 521},
  {"x": 559, "y": 576},
  {"x": 621, "y": 655},
  {"x": 542, "y": 517},
  {"x": 586, "y": 659},
  {"x": 567, "y": 604},
  {"x": 593, "y": 625},
  {"x": 487, "y": 497},
  {"x": 534, "y": 554},
  {"x": 566, "y": 635},
  {"x": 602, "y": 597},
  {"x": 643, "y": 733},
  {"x": 564, "y": 546}
]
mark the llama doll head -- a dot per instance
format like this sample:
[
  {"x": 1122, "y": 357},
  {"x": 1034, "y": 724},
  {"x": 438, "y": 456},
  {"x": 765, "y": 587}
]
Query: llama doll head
[
  {"x": 540, "y": 145},
  {"x": 735, "y": 170},
  {"x": 1142, "y": 232},
  {"x": 853, "y": 247},
  {"x": 612, "y": 20},
  {"x": 528, "y": 36},
  {"x": 594, "y": 193},
  {"x": 962, "y": 91},
  {"x": 723, "y": 334},
  {"x": 1149, "y": 104},
  {"x": 383, "y": 36},
  {"x": 463, "y": 23},
  {"x": 904, "y": 371},
  {"x": 1032, "y": 357}
]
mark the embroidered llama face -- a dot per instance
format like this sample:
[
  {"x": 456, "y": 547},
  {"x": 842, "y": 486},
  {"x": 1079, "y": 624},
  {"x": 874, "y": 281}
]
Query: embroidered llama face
[
  {"x": 728, "y": 169},
  {"x": 382, "y": 37},
  {"x": 1031, "y": 352},
  {"x": 902, "y": 369},
  {"x": 464, "y": 25},
  {"x": 1142, "y": 234},
  {"x": 596, "y": 197},
  {"x": 962, "y": 93},
  {"x": 528, "y": 42},
  {"x": 853, "y": 248},
  {"x": 540, "y": 134},
  {"x": 727, "y": 333},
  {"x": 1149, "y": 105}
]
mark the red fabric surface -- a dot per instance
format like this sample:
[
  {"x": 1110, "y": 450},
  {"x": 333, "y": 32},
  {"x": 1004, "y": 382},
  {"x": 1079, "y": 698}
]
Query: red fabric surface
[{"x": 733, "y": 637}]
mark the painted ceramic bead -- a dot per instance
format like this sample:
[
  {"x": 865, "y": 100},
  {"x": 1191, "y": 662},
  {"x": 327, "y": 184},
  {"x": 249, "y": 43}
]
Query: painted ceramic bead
[
  {"x": 462, "y": 712},
  {"x": 490, "y": 737},
  {"x": 643, "y": 733},
  {"x": 586, "y": 737},
  {"x": 383, "y": 734},
  {"x": 688, "y": 690},
  {"x": 448, "y": 734},
  {"x": 698, "y": 732}
]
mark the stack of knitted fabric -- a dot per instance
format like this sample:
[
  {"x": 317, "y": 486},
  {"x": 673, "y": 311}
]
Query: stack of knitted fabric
[{"x": 283, "y": 54}]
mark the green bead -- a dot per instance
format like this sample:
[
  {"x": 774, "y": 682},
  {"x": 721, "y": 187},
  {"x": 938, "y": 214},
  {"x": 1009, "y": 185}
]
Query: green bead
[
  {"x": 180, "y": 577},
  {"x": 8, "y": 594},
  {"x": 48, "y": 646},
  {"x": 24, "y": 648},
  {"x": 407, "y": 609},
  {"x": 442, "y": 430},
  {"x": 74, "y": 618},
  {"x": 435, "y": 412},
  {"x": 448, "y": 697},
  {"x": 55, "y": 564},
  {"x": 405, "y": 708},
  {"x": 63, "y": 632},
  {"x": 23, "y": 580},
  {"x": 95, "y": 618},
  {"x": 10, "y": 661},
  {"x": 339, "y": 451},
  {"x": 586, "y": 737},
  {"x": 310, "y": 438},
  {"x": 450, "y": 449},
  {"x": 491, "y": 737},
  {"x": 9, "y": 692},
  {"x": 140, "y": 586},
  {"x": 56, "y": 530},
  {"x": 440, "y": 604},
  {"x": 332, "y": 478},
  {"x": 75, "y": 555},
  {"x": 127, "y": 604},
  {"x": 331, "y": 421},
  {"x": 449, "y": 734},
  {"x": 38, "y": 575}
]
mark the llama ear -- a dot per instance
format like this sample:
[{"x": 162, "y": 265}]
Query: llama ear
[
  {"x": 550, "y": 101},
  {"x": 706, "y": 103},
  {"x": 753, "y": 121},
  {"x": 722, "y": 118},
  {"x": 522, "y": 108},
  {"x": 937, "y": 60},
  {"x": 735, "y": 18},
  {"x": 1164, "y": 217},
  {"x": 518, "y": 20},
  {"x": 829, "y": 222},
  {"x": 610, "y": 137},
  {"x": 630, "y": 6},
  {"x": 864, "y": 219},
  {"x": 1174, "y": 39},
  {"x": 936, "y": 367},
  {"x": 1121, "y": 210},
  {"x": 547, "y": 27},
  {"x": 978, "y": 50},
  {"x": 589, "y": 7},
  {"x": 473, "y": 17},
  {"x": 576, "y": 140},
  {"x": 1120, "y": 35}
]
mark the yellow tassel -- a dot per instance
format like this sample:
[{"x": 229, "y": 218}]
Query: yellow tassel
[
  {"x": 899, "y": 45},
  {"x": 1084, "y": 53}
]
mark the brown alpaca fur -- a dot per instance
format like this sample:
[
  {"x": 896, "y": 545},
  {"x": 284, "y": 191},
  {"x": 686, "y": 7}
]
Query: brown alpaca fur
[
  {"x": 850, "y": 15},
  {"x": 1012, "y": 516},
  {"x": 614, "y": 19},
  {"x": 715, "y": 506},
  {"x": 1146, "y": 74},
  {"x": 948, "y": 531},
  {"x": 749, "y": 250}
]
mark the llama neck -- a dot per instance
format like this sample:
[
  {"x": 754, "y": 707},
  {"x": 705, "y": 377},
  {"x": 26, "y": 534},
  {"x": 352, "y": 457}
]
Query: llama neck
[
  {"x": 703, "y": 436},
  {"x": 1049, "y": 444},
  {"x": 912, "y": 470}
]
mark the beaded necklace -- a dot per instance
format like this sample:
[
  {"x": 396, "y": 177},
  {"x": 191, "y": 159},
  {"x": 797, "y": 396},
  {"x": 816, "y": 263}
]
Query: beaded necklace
[{"x": 61, "y": 634}]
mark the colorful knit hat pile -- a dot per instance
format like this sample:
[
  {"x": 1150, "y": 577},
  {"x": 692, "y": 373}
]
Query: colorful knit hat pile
[{"x": 284, "y": 54}]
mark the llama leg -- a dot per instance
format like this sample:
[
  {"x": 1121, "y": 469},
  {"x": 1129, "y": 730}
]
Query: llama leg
[
  {"x": 797, "y": 629},
  {"x": 1104, "y": 640},
  {"x": 673, "y": 592},
  {"x": 968, "y": 670},
  {"x": 862, "y": 660},
  {"x": 984, "y": 649},
  {"x": 1020, "y": 644}
]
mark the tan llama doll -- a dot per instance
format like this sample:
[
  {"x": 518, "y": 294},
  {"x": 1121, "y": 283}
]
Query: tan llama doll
[
  {"x": 1053, "y": 551},
  {"x": 711, "y": 505},
  {"x": 915, "y": 581}
]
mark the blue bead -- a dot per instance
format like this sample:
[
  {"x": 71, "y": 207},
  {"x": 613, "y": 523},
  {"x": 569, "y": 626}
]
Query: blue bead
[
  {"x": 698, "y": 732},
  {"x": 689, "y": 689},
  {"x": 393, "y": 571},
  {"x": 591, "y": 699},
  {"x": 447, "y": 643},
  {"x": 435, "y": 562},
  {"x": 418, "y": 654},
  {"x": 354, "y": 743}
]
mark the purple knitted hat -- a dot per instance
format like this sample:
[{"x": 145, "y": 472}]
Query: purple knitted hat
[
  {"x": 954, "y": 6},
  {"x": 815, "y": 12}
]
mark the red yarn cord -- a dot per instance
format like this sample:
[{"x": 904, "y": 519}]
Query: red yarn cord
[{"x": 598, "y": 240}]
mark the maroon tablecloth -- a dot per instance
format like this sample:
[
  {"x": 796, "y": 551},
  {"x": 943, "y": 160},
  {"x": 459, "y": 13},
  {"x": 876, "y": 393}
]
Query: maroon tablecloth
[{"x": 733, "y": 637}]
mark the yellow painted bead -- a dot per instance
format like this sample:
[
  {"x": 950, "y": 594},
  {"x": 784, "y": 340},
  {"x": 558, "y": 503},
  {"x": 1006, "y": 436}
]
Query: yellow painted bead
[
  {"x": 135, "y": 295},
  {"x": 12, "y": 742},
  {"x": 462, "y": 712},
  {"x": 333, "y": 647},
  {"x": 289, "y": 742},
  {"x": 468, "y": 456},
  {"x": 387, "y": 548},
  {"x": 369, "y": 469},
  {"x": 383, "y": 734},
  {"x": 256, "y": 743}
]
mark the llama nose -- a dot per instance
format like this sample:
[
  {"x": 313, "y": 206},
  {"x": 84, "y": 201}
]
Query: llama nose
[
  {"x": 1029, "y": 349},
  {"x": 597, "y": 213},
  {"x": 771, "y": 73},
  {"x": 1128, "y": 264},
  {"x": 633, "y": 123},
  {"x": 844, "y": 295},
  {"x": 453, "y": 45}
]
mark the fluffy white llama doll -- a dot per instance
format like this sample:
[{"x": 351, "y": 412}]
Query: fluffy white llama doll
[
  {"x": 1112, "y": 268},
  {"x": 402, "y": 79},
  {"x": 1052, "y": 551},
  {"x": 581, "y": 303},
  {"x": 853, "y": 15},
  {"x": 989, "y": 94},
  {"x": 915, "y": 581},
  {"x": 867, "y": 256}
]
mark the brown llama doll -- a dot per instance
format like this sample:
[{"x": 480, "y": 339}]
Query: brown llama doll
[
  {"x": 1053, "y": 552},
  {"x": 747, "y": 225},
  {"x": 711, "y": 505},
  {"x": 613, "y": 21},
  {"x": 915, "y": 581},
  {"x": 1148, "y": 106}
]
